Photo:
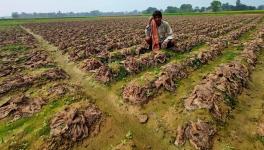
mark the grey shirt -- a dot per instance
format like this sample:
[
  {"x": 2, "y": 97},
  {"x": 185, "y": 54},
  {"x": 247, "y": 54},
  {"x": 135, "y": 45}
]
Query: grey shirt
[{"x": 164, "y": 30}]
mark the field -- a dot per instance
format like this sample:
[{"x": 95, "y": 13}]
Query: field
[{"x": 92, "y": 83}]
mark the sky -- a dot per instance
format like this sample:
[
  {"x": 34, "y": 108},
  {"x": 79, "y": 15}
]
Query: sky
[{"x": 9, "y": 6}]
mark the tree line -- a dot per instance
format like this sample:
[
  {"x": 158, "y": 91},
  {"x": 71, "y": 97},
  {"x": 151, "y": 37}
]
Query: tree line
[
  {"x": 215, "y": 6},
  {"x": 60, "y": 14}
]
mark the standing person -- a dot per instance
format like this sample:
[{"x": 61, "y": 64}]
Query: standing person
[{"x": 158, "y": 33}]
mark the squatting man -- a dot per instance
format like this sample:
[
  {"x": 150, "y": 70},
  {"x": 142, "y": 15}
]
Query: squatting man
[{"x": 159, "y": 33}]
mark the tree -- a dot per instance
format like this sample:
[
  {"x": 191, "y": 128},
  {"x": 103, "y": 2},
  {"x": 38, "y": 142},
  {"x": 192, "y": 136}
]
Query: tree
[
  {"x": 226, "y": 6},
  {"x": 15, "y": 15},
  {"x": 216, "y": 5},
  {"x": 240, "y": 6},
  {"x": 196, "y": 9},
  {"x": 261, "y": 7},
  {"x": 95, "y": 13},
  {"x": 171, "y": 9},
  {"x": 186, "y": 8},
  {"x": 238, "y": 3},
  {"x": 203, "y": 9},
  {"x": 150, "y": 10},
  {"x": 59, "y": 14},
  {"x": 209, "y": 8}
]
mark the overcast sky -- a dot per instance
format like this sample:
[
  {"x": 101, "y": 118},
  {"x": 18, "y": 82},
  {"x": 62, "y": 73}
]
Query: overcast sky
[{"x": 9, "y": 6}]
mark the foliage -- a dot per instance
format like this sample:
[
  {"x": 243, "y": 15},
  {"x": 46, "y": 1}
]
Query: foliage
[
  {"x": 171, "y": 9},
  {"x": 216, "y": 5},
  {"x": 186, "y": 8},
  {"x": 239, "y": 6},
  {"x": 261, "y": 7},
  {"x": 60, "y": 14},
  {"x": 149, "y": 10}
]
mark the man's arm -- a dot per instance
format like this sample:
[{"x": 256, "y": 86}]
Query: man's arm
[{"x": 169, "y": 33}]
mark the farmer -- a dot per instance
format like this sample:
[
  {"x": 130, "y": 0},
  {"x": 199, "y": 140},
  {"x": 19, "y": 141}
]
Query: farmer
[{"x": 159, "y": 33}]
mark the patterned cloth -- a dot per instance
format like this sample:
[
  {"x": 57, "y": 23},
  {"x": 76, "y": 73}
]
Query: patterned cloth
[{"x": 154, "y": 35}]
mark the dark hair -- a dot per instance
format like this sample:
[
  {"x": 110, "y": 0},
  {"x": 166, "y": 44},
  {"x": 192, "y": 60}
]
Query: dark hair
[{"x": 157, "y": 13}]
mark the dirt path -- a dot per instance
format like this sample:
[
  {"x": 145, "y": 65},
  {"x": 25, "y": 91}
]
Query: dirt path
[{"x": 118, "y": 121}]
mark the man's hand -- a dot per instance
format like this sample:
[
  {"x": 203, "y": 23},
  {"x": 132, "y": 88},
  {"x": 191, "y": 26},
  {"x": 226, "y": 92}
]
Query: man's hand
[{"x": 164, "y": 44}]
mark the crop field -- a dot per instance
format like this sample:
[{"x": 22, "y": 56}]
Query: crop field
[{"x": 89, "y": 84}]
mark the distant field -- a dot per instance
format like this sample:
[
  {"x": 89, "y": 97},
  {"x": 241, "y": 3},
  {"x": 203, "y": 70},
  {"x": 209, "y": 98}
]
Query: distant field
[
  {"x": 92, "y": 83},
  {"x": 9, "y": 22}
]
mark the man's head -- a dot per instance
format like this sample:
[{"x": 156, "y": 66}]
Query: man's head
[{"x": 157, "y": 15}]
